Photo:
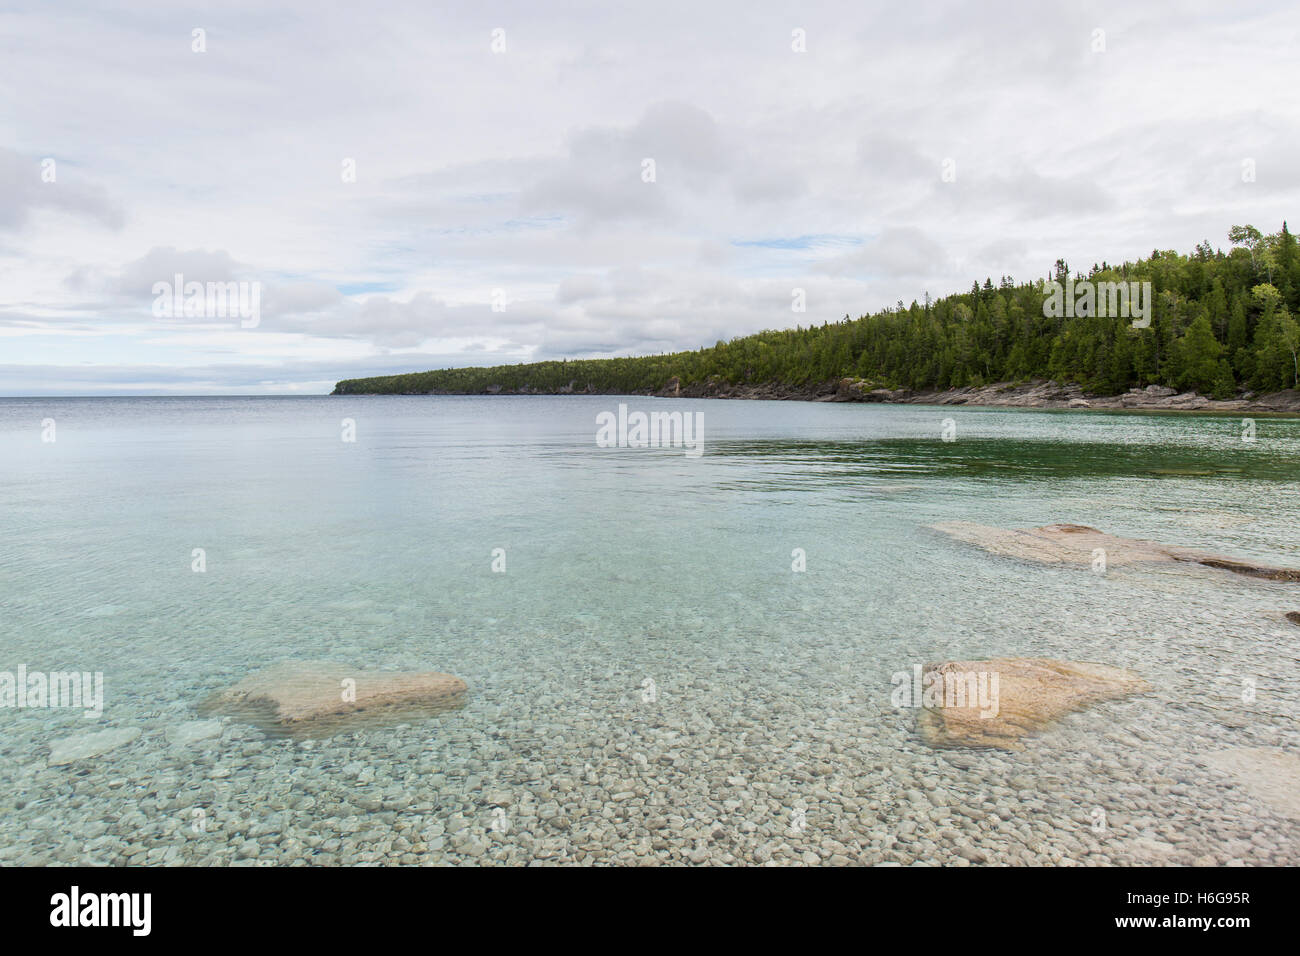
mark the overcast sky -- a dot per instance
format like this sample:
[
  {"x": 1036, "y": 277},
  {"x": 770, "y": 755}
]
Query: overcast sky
[{"x": 522, "y": 170}]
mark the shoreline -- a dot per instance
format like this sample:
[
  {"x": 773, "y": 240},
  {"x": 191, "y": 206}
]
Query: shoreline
[{"x": 1037, "y": 394}]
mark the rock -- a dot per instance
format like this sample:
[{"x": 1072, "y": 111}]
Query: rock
[
  {"x": 1080, "y": 403},
  {"x": 1147, "y": 850},
  {"x": 1293, "y": 617},
  {"x": 72, "y": 749},
  {"x": 852, "y": 390},
  {"x": 1271, "y": 775},
  {"x": 888, "y": 395},
  {"x": 1076, "y": 544},
  {"x": 308, "y": 696},
  {"x": 1284, "y": 401},
  {"x": 1046, "y": 394},
  {"x": 192, "y": 731},
  {"x": 1185, "y": 401},
  {"x": 972, "y": 854},
  {"x": 1023, "y": 695}
]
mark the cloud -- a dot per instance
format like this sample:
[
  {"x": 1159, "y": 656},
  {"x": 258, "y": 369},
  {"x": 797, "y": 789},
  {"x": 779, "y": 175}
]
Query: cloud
[
  {"x": 32, "y": 186},
  {"x": 633, "y": 174},
  {"x": 904, "y": 252}
]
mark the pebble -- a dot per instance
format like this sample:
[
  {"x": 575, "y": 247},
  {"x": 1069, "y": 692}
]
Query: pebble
[{"x": 744, "y": 770}]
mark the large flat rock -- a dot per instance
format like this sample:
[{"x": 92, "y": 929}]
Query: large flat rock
[
  {"x": 310, "y": 696},
  {"x": 192, "y": 732},
  {"x": 85, "y": 746},
  {"x": 1029, "y": 693},
  {"x": 1077, "y": 544},
  {"x": 1270, "y": 775}
]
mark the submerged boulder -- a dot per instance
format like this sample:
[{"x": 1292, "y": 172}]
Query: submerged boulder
[
  {"x": 994, "y": 703},
  {"x": 192, "y": 732},
  {"x": 1080, "y": 544},
  {"x": 310, "y": 696},
  {"x": 85, "y": 746},
  {"x": 1269, "y": 774}
]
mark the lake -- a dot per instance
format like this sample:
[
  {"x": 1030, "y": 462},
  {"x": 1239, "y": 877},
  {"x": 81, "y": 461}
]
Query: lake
[{"x": 670, "y": 657}]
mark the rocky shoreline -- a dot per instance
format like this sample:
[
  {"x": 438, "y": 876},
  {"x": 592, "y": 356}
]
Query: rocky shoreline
[{"x": 1034, "y": 394}]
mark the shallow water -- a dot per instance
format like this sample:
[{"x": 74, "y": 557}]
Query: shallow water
[{"x": 649, "y": 678}]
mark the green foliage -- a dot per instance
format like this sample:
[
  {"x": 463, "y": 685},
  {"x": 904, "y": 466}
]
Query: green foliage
[
  {"x": 1221, "y": 322},
  {"x": 1197, "y": 356}
]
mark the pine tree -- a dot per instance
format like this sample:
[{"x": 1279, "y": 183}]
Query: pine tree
[{"x": 1196, "y": 357}]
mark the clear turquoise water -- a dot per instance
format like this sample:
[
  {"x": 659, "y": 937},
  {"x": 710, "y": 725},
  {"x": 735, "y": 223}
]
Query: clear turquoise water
[{"x": 623, "y": 565}]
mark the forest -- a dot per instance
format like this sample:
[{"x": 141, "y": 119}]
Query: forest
[{"x": 1222, "y": 323}]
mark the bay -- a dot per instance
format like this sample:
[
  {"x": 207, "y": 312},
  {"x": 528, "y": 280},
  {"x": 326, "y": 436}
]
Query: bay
[{"x": 649, "y": 633}]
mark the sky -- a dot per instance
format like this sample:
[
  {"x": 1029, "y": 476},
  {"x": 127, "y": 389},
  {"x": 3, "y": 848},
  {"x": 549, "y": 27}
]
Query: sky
[{"x": 422, "y": 185}]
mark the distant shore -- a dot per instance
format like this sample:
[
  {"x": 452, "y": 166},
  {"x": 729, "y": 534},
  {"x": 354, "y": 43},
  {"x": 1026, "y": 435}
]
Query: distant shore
[{"x": 1035, "y": 394}]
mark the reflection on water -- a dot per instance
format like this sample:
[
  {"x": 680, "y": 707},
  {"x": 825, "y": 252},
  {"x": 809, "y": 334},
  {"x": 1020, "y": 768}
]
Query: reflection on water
[{"x": 1011, "y": 458}]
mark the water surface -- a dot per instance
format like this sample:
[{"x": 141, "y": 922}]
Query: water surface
[{"x": 649, "y": 677}]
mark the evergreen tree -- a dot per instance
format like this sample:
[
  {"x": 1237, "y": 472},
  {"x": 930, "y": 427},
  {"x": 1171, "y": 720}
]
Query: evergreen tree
[{"x": 1218, "y": 326}]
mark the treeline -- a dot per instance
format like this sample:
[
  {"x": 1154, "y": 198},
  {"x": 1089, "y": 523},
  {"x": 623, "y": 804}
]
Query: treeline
[{"x": 1221, "y": 323}]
